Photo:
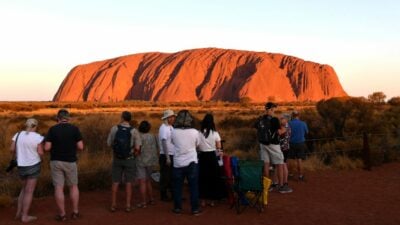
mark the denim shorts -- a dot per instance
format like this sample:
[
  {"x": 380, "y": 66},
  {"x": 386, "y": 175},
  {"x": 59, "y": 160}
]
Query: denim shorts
[{"x": 26, "y": 172}]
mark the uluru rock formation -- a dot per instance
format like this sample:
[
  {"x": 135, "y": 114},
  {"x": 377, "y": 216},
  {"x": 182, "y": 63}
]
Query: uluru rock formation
[{"x": 201, "y": 75}]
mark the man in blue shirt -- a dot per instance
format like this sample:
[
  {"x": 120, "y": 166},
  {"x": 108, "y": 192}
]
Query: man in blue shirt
[{"x": 297, "y": 144}]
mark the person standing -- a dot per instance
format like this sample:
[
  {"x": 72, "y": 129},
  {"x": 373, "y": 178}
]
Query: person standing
[
  {"x": 125, "y": 142},
  {"x": 185, "y": 139},
  {"x": 268, "y": 131},
  {"x": 145, "y": 163},
  {"x": 210, "y": 182},
  {"x": 27, "y": 147},
  {"x": 284, "y": 142},
  {"x": 166, "y": 154},
  {"x": 63, "y": 140},
  {"x": 298, "y": 145}
]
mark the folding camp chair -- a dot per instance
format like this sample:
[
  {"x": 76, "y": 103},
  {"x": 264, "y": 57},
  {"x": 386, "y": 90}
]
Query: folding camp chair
[
  {"x": 248, "y": 186},
  {"x": 227, "y": 177}
]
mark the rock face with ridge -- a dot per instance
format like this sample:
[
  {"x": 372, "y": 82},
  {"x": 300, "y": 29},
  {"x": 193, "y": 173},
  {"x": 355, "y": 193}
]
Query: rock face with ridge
[{"x": 201, "y": 75}]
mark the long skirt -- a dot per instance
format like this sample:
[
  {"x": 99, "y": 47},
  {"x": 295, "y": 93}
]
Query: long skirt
[{"x": 211, "y": 185}]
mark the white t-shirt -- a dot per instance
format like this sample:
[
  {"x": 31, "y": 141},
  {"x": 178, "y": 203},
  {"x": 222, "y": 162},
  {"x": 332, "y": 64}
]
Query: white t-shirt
[
  {"x": 209, "y": 144},
  {"x": 185, "y": 142},
  {"x": 164, "y": 133},
  {"x": 27, "y": 154}
]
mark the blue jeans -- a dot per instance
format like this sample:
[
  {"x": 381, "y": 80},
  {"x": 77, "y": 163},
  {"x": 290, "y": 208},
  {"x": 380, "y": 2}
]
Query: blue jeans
[{"x": 191, "y": 173}]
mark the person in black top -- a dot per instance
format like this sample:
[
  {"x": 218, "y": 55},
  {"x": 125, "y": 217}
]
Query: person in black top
[
  {"x": 270, "y": 150},
  {"x": 63, "y": 140}
]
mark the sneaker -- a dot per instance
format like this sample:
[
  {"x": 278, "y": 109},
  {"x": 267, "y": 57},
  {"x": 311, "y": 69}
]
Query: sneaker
[
  {"x": 196, "y": 213},
  {"x": 285, "y": 189},
  {"x": 177, "y": 211},
  {"x": 301, "y": 178},
  {"x": 272, "y": 187}
]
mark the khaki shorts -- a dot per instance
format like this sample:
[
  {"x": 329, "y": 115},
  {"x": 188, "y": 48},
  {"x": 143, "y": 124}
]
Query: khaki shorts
[
  {"x": 64, "y": 172},
  {"x": 271, "y": 154}
]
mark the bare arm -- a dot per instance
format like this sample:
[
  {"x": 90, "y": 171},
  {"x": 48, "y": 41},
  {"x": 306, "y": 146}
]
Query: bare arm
[
  {"x": 282, "y": 130},
  {"x": 47, "y": 146},
  {"x": 111, "y": 136},
  {"x": 79, "y": 145},
  {"x": 218, "y": 144},
  {"x": 40, "y": 149},
  {"x": 12, "y": 150},
  {"x": 12, "y": 147},
  {"x": 165, "y": 146}
]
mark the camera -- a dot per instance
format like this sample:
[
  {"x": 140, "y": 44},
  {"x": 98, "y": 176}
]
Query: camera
[{"x": 11, "y": 165}]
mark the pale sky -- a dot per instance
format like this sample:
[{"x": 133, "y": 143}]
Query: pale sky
[{"x": 40, "y": 41}]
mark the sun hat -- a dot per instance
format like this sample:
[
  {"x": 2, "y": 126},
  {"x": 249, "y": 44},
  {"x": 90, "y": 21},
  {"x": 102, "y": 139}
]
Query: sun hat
[{"x": 168, "y": 113}]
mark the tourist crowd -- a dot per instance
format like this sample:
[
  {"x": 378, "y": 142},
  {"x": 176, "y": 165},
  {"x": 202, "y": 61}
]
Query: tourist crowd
[{"x": 179, "y": 152}]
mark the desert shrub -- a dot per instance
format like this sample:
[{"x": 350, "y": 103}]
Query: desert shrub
[
  {"x": 232, "y": 122},
  {"x": 313, "y": 163},
  {"x": 95, "y": 129},
  {"x": 245, "y": 101},
  {"x": 395, "y": 101},
  {"x": 377, "y": 97},
  {"x": 346, "y": 163}
]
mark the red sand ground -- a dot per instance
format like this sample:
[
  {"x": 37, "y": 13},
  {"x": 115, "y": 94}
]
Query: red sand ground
[{"x": 328, "y": 197}]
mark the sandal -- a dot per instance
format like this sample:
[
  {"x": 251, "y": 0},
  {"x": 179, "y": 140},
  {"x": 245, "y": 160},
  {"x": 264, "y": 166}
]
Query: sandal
[
  {"x": 141, "y": 205},
  {"x": 75, "y": 215},
  {"x": 128, "y": 209},
  {"x": 61, "y": 218},
  {"x": 29, "y": 219}
]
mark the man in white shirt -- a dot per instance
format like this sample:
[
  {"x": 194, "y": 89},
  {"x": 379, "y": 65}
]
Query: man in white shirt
[{"x": 166, "y": 154}]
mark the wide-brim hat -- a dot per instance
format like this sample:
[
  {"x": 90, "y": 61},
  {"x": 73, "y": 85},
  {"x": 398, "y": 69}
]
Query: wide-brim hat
[{"x": 168, "y": 113}]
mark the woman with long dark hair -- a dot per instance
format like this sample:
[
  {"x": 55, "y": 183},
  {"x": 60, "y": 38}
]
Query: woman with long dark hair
[{"x": 210, "y": 183}]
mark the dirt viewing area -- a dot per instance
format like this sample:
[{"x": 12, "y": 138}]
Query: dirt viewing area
[{"x": 327, "y": 197}]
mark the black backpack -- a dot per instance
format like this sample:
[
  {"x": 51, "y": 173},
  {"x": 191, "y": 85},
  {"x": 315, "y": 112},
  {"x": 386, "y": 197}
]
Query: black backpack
[
  {"x": 263, "y": 126},
  {"x": 122, "y": 142}
]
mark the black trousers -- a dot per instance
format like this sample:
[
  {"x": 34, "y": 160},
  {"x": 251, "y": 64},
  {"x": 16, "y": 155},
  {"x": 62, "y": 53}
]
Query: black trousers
[{"x": 165, "y": 176}]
